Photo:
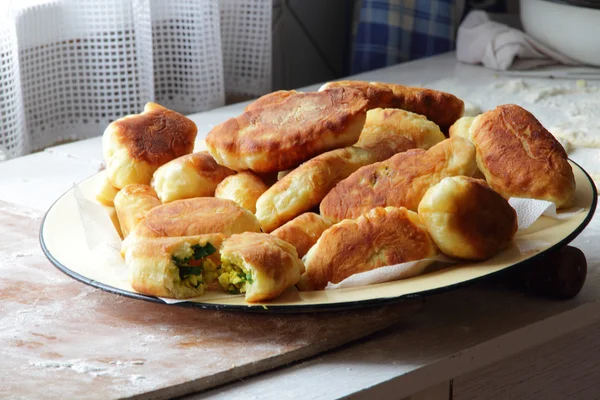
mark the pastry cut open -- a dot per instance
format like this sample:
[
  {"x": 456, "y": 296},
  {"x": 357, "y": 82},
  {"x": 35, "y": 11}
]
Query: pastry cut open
[{"x": 174, "y": 267}]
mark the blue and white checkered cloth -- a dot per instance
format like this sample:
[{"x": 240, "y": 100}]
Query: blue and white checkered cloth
[{"x": 394, "y": 31}]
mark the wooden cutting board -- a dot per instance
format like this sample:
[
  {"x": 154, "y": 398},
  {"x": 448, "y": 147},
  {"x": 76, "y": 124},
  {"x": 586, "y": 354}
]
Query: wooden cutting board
[{"x": 61, "y": 338}]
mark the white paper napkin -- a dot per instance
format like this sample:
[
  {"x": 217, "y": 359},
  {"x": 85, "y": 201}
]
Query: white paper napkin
[
  {"x": 530, "y": 210},
  {"x": 389, "y": 273},
  {"x": 100, "y": 233}
]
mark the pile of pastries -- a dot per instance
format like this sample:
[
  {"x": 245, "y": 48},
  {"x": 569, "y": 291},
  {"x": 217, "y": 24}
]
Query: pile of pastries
[{"x": 306, "y": 188}]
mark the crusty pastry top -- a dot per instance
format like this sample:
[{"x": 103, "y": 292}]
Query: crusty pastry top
[
  {"x": 467, "y": 219},
  {"x": 303, "y": 231},
  {"x": 155, "y": 136},
  {"x": 462, "y": 128},
  {"x": 270, "y": 99},
  {"x": 381, "y": 237},
  {"x": 520, "y": 158},
  {"x": 192, "y": 175},
  {"x": 244, "y": 188},
  {"x": 388, "y": 131},
  {"x": 304, "y": 187},
  {"x": 283, "y": 135},
  {"x": 263, "y": 252},
  {"x": 196, "y": 216},
  {"x": 439, "y": 107},
  {"x": 274, "y": 263},
  {"x": 400, "y": 181},
  {"x": 132, "y": 203},
  {"x": 378, "y": 94}
]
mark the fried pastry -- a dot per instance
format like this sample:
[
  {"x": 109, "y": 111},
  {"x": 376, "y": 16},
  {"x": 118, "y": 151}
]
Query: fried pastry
[
  {"x": 378, "y": 94},
  {"x": 467, "y": 219},
  {"x": 106, "y": 192},
  {"x": 462, "y": 128},
  {"x": 132, "y": 203},
  {"x": 270, "y": 99},
  {"x": 303, "y": 231},
  {"x": 136, "y": 145},
  {"x": 400, "y": 181},
  {"x": 382, "y": 237},
  {"x": 244, "y": 188},
  {"x": 520, "y": 158},
  {"x": 389, "y": 131},
  {"x": 283, "y": 135},
  {"x": 305, "y": 187},
  {"x": 175, "y": 267},
  {"x": 439, "y": 107},
  {"x": 192, "y": 175},
  {"x": 196, "y": 216},
  {"x": 259, "y": 265}
]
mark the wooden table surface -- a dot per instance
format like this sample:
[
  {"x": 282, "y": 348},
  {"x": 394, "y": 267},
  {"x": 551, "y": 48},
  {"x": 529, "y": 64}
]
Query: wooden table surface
[{"x": 464, "y": 336}]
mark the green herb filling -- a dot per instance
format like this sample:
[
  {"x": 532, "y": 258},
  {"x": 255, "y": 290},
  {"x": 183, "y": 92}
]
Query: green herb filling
[
  {"x": 234, "y": 278},
  {"x": 196, "y": 270}
]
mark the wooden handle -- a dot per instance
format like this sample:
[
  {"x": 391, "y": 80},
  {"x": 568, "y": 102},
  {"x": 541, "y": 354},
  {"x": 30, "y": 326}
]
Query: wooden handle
[{"x": 559, "y": 274}]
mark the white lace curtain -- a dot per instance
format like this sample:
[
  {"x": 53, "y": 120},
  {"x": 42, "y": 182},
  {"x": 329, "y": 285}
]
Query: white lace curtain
[{"x": 70, "y": 67}]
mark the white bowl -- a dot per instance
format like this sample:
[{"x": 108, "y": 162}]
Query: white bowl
[{"x": 571, "y": 30}]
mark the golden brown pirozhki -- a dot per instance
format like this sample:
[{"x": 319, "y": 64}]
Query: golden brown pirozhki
[
  {"x": 196, "y": 217},
  {"x": 136, "y": 145},
  {"x": 283, "y": 135},
  {"x": 259, "y": 265},
  {"x": 303, "y": 231},
  {"x": 467, "y": 219},
  {"x": 244, "y": 188},
  {"x": 105, "y": 191},
  {"x": 440, "y": 107},
  {"x": 381, "y": 237},
  {"x": 462, "y": 128},
  {"x": 400, "y": 181},
  {"x": 389, "y": 131},
  {"x": 192, "y": 175},
  {"x": 520, "y": 158},
  {"x": 132, "y": 203},
  {"x": 304, "y": 187},
  {"x": 270, "y": 99},
  {"x": 174, "y": 267}
]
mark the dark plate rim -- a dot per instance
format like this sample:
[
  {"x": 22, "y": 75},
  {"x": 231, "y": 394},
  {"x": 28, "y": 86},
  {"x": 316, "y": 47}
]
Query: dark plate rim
[{"x": 295, "y": 309}]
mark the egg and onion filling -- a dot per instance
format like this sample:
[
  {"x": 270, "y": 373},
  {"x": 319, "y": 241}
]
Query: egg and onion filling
[
  {"x": 195, "y": 269},
  {"x": 234, "y": 278}
]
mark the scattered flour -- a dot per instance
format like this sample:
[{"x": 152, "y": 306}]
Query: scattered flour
[
  {"x": 575, "y": 135},
  {"x": 136, "y": 378},
  {"x": 93, "y": 369},
  {"x": 75, "y": 365},
  {"x": 512, "y": 86}
]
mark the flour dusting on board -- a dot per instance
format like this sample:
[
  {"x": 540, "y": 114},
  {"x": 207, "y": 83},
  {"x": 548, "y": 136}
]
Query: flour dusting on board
[{"x": 89, "y": 368}]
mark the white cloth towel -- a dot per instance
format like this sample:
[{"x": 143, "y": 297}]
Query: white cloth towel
[{"x": 498, "y": 46}]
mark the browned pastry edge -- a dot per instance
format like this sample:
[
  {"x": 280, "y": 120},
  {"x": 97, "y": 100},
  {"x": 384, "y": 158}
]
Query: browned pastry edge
[
  {"x": 381, "y": 237},
  {"x": 270, "y": 99},
  {"x": 271, "y": 258},
  {"x": 440, "y": 107},
  {"x": 157, "y": 135},
  {"x": 196, "y": 216},
  {"x": 342, "y": 115},
  {"x": 520, "y": 158},
  {"x": 467, "y": 219},
  {"x": 303, "y": 231}
]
